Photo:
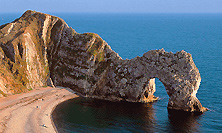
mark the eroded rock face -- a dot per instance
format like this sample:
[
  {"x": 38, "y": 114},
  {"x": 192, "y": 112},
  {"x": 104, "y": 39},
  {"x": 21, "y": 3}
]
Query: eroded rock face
[{"x": 38, "y": 48}]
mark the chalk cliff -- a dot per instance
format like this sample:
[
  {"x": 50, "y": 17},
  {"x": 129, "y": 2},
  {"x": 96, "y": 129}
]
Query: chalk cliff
[{"x": 39, "y": 49}]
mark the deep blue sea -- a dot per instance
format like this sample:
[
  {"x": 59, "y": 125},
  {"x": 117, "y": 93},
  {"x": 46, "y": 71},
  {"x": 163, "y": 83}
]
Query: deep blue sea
[{"x": 131, "y": 35}]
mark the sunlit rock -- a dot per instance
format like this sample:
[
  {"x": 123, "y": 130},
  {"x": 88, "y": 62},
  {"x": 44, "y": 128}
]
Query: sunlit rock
[{"x": 39, "y": 49}]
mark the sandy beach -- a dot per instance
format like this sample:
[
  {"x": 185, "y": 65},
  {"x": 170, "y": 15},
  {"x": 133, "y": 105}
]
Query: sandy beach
[{"x": 31, "y": 112}]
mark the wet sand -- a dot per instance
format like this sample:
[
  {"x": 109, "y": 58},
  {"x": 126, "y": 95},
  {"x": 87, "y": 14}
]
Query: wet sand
[{"x": 31, "y": 112}]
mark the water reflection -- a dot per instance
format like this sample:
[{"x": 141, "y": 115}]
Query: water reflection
[
  {"x": 91, "y": 115},
  {"x": 98, "y": 115},
  {"x": 180, "y": 121}
]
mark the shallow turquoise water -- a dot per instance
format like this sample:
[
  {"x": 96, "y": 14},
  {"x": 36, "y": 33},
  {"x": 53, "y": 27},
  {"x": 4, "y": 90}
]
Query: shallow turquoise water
[{"x": 131, "y": 35}]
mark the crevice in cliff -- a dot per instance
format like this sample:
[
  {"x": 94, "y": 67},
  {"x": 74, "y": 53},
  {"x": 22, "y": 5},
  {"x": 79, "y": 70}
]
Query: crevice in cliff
[
  {"x": 20, "y": 48},
  {"x": 9, "y": 51}
]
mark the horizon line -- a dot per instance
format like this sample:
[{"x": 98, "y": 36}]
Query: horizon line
[{"x": 48, "y": 12}]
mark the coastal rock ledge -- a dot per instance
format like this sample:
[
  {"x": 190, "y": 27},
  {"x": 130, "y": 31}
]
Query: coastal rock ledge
[{"x": 38, "y": 49}]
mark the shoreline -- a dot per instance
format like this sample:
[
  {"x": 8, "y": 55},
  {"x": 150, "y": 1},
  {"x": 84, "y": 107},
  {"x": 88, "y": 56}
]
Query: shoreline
[{"x": 32, "y": 111}]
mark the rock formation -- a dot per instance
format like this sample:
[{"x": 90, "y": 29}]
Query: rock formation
[{"x": 39, "y": 49}]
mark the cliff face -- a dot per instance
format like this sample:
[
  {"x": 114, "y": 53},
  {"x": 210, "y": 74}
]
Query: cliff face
[{"x": 39, "y": 49}]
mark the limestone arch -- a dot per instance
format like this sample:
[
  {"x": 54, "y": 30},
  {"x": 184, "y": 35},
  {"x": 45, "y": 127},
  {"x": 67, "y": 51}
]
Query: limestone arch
[
  {"x": 178, "y": 74},
  {"x": 88, "y": 65}
]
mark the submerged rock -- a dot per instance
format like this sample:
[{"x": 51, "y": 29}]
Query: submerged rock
[{"x": 39, "y": 49}]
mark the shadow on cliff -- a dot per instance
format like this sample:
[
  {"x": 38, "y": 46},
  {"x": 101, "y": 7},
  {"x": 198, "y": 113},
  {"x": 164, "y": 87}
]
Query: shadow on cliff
[{"x": 181, "y": 121}]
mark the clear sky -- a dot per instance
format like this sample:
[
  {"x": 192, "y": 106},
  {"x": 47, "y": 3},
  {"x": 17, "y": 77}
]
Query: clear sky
[{"x": 113, "y": 6}]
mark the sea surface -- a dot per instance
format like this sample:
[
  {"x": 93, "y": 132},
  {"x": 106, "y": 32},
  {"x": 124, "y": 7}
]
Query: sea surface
[{"x": 131, "y": 35}]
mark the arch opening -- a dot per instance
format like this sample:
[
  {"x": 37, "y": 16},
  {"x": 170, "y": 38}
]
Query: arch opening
[
  {"x": 154, "y": 90},
  {"x": 160, "y": 89}
]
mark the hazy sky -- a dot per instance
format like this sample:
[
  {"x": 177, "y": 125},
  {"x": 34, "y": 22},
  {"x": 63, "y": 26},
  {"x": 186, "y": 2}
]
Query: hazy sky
[{"x": 124, "y": 6}]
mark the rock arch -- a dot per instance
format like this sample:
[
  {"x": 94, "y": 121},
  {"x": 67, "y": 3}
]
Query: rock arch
[
  {"x": 44, "y": 50},
  {"x": 179, "y": 75},
  {"x": 134, "y": 80}
]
